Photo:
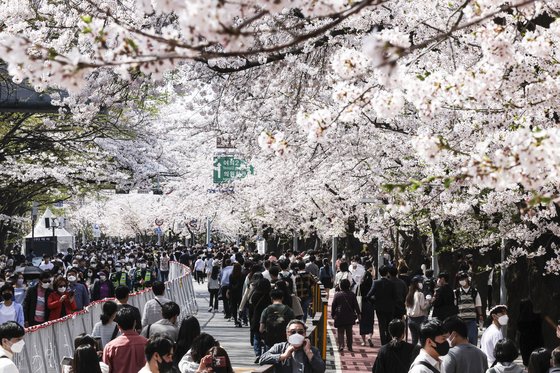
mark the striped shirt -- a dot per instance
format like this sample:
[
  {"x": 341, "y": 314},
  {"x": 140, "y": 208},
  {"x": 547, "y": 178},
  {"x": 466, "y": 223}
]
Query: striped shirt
[
  {"x": 41, "y": 302},
  {"x": 105, "y": 332}
]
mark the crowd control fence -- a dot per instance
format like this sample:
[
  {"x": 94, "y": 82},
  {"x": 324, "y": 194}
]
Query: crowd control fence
[
  {"x": 318, "y": 332},
  {"x": 48, "y": 343}
]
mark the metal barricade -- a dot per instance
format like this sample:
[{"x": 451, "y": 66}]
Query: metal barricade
[
  {"x": 48, "y": 343},
  {"x": 318, "y": 333}
]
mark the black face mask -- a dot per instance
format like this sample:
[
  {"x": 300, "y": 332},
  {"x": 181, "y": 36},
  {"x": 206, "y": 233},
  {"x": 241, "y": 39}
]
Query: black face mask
[
  {"x": 7, "y": 296},
  {"x": 165, "y": 367},
  {"x": 442, "y": 348}
]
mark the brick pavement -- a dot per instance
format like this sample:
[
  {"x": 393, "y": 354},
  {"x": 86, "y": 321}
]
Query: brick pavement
[{"x": 362, "y": 357}]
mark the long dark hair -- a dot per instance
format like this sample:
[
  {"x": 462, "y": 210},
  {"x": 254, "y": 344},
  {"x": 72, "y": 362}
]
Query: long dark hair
[
  {"x": 201, "y": 345},
  {"x": 215, "y": 272},
  {"x": 411, "y": 291},
  {"x": 86, "y": 360},
  {"x": 189, "y": 330},
  {"x": 109, "y": 309},
  {"x": 218, "y": 351},
  {"x": 236, "y": 272}
]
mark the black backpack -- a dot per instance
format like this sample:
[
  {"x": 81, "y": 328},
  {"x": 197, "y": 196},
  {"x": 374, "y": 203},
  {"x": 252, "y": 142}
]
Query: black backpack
[{"x": 275, "y": 326}]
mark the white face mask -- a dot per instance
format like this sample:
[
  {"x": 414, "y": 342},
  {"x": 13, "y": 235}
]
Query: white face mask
[
  {"x": 420, "y": 286},
  {"x": 103, "y": 278},
  {"x": 296, "y": 339},
  {"x": 45, "y": 285},
  {"x": 463, "y": 282},
  {"x": 18, "y": 347},
  {"x": 62, "y": 289},
  {"x": 72, "y": 278},
  {"x": 503, "y": 320},
  {"x": 143, "y": 265}
]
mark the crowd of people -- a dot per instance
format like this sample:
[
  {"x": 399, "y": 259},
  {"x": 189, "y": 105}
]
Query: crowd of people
[
  {"x": 270, "y": 296},
  {"x": 441, "y": 321}
]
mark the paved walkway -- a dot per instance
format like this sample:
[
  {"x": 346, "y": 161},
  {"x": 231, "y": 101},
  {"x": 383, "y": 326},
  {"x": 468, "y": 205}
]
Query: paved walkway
[
  {"x": 236, "y": 340},
  {"x": 362, "y": 357}
]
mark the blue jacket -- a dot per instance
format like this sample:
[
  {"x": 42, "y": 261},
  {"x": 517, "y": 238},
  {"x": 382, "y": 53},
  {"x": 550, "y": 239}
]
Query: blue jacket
[{"x": 19, "y": 313}]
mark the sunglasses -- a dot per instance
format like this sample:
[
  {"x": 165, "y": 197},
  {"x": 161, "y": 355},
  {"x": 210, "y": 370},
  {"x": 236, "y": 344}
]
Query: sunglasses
[{"x": 294, "y": 331}]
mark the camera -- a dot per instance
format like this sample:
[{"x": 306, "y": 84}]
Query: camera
[{"x": 218, "y": 361}]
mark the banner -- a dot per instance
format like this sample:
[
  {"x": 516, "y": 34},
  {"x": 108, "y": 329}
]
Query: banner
[{"x": 48, "y": 343}]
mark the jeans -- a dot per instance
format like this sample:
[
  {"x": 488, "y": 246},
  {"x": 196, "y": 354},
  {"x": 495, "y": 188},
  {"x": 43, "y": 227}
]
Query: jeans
[
  {"x": 164, "y": 275},
  {"x": 414, "y": 326},
  {"x": 258, "y": 343},
  {"x": 383, "y": 319},
  {"x": 305, "y": 306},
  {"x": 200, "y": 276},
  {"x": 340, "y": 331},
  {"x": 472, "y": 329},
  {"x": 225, "y": 300},
  {"x": 213, "y": 298}
]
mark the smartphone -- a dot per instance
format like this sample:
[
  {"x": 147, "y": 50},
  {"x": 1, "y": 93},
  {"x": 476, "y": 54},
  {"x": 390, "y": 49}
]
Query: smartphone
[
  {"x": 218, "y": 361},
  {"x": 66, "y": 360}
]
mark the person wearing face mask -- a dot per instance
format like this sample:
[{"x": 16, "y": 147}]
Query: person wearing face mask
[
  {"x": 492, "y": 334},
  {"x": 296, "y": 354},
  {"x": 19, "y": 287},
  {"x": 35, "y": 308},
  {"x": 120, "y": 276},
  {"x": 11, "y": 337},
  {"x": 444, "y": 299},
  {"x": 60, "y": 302},
  {"x": 416, "y": 307},
  {"x": 463, "y": 357},
  {"x": 10, "y": 310},
  {"x": 469, "y": 305},
  {"x": 102, "y": 287},
  {"x": 433, "y": 339},
  {"x": 143, "y": 276},
  {"x": 159, "y": 355},
  {"x": 81, "y": 293}
]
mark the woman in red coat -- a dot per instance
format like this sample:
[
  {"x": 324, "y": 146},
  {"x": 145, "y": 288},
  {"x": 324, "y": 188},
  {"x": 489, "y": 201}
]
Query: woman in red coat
[{"x": 60, "y": 301}]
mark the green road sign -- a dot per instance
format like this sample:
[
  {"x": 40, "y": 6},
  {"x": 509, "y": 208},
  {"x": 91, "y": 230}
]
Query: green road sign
[{"x": 227, "y": 168}]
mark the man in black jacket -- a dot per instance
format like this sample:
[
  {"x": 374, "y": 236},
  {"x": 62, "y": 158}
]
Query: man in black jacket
[
  {"x": 383, "y": 296},
  {"x": 444, "y": 299},
  {"x": 37, "y": 294}
]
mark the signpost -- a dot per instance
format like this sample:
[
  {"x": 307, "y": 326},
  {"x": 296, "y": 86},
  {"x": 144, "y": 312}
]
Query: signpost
[{"x": 228, "y": 168}]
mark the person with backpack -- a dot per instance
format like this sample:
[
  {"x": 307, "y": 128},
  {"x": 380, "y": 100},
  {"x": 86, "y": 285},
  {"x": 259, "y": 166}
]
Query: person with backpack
[
  {"x": 344, "y": 273},
  {"x": 304, "y": 283},
  {"x": 469, "y": 306},
  {"x": 274, "y": 319},
  {"x": 295, "y": 354},
  {"x": 153, "y": 307}
]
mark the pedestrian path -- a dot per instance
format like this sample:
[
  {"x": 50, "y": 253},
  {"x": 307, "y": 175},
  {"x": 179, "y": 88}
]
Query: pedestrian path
[
  {"x": 234, "y": 340},
  {"x": 362, "y": 357}
]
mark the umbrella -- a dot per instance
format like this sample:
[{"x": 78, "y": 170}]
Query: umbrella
[{"x": 29, "y": 271}]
